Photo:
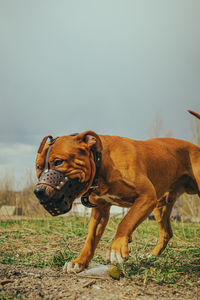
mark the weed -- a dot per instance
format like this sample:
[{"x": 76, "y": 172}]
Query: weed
[
  {"x": 9, "y": 297},
  {"x": 60, "y": 257},
  {"x": 54, "y": 241}
]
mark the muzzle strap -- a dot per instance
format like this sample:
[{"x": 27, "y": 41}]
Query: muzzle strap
[
  {"x": 43, "y": 142},
  {"x": 46, "y": 166}
]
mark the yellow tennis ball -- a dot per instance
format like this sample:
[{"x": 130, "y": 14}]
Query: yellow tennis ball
[{"x": 114, "y": 272}]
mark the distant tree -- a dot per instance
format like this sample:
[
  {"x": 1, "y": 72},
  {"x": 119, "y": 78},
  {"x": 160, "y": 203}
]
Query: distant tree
[
  {"x": 156, "y": 129},
  {"x": 7, "y": 194},
  {"x": 195, "y": 131}
]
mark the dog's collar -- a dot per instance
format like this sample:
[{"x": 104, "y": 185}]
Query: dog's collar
[
  {"x": 85, "y": 198},
  {"x": 97, "y": 159}
]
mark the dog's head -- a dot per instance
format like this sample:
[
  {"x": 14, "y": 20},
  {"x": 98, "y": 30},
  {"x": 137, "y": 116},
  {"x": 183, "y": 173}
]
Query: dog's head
[{"x": 65, "y": 169}]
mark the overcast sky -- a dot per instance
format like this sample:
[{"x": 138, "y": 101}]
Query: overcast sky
[{"x": 106, "y": 65}]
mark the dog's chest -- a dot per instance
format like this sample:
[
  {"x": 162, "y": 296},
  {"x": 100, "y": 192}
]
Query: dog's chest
[{"x": 114, "y": 200}]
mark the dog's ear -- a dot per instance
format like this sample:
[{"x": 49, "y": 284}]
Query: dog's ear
[
  {"x": 43, "y": 142},
  {"x": 91, "y": 139}
]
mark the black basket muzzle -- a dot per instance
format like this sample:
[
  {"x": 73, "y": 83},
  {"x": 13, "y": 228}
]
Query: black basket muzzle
[{"x": 67, "y": 190}]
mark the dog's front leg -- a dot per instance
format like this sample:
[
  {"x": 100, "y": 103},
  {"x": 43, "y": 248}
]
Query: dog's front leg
[
  {"x": 141, "y": 209},
  {"x": 98, "y": 221}
]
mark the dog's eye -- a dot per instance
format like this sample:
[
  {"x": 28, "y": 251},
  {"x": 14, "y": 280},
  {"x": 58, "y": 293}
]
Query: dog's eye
[
  {"x": 57, "y": 162},
  {"x": 38, "y": 168}
]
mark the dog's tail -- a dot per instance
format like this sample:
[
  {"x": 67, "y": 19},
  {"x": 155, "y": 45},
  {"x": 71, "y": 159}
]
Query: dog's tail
[{"x": 194, "y": 114}]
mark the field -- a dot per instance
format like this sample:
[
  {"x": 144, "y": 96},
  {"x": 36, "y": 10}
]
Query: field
[{"x": 33, "y": 251}]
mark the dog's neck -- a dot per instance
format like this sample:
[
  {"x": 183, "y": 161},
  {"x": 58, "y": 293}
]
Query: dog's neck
[{"x": 85, "y": 198}]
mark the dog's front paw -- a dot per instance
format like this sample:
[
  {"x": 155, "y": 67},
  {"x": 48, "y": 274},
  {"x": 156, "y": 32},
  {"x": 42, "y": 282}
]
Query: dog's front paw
[
  {"x": 118, "y": 251},
  {"x": 73, "y": 267}
]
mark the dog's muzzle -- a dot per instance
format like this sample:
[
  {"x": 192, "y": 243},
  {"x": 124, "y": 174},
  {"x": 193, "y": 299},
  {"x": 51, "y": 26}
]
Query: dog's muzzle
[
  {"x": 53, "y": 178},
  {"x": 67, "y": 190}
]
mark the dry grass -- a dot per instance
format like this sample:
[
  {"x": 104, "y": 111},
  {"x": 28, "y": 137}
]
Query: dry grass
[{"x": 53, "y": 241}]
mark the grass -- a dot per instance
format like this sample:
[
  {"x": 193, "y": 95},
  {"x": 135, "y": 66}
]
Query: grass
[
  {"x": 10, "y": 297},
  {"x": 51, "y": 242}
]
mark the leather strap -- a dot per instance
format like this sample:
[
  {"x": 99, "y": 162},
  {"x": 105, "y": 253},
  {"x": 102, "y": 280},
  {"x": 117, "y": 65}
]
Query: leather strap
[
  {"x": 43, "y": 142},
  {"x": 85, "y": 198}
]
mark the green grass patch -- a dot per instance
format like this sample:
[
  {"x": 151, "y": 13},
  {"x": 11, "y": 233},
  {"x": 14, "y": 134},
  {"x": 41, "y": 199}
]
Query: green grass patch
[
  {"x": 51, "y": 242},
  {"x": 9, "y": 297}
]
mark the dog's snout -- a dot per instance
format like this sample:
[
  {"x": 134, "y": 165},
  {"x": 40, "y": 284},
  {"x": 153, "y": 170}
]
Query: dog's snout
[{"x": 40, "y": 192}]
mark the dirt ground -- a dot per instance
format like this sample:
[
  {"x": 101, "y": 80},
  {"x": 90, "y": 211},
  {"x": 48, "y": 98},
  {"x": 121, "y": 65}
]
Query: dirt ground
[{"x": 19, "y": 282}]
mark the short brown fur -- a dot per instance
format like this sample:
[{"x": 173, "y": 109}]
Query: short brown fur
[{"x": 145, "y": 176}]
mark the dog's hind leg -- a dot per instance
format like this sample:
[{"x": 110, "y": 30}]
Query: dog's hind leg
[
  {"x": 162, "y": 215},
  {"x": 195, "y": 163},
  {"x": 162, "y": 212}
]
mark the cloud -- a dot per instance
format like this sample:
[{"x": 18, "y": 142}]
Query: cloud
[
  {"x": 108, "y": 66},
  {"x": 10, "y": 153}
]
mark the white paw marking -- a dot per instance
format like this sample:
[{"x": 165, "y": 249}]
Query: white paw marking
[
  {"x": 108, "y": 256},
  {"x": 69, "y": 267},
  {"x": 120, "y": 259},
  {"x": 114, "y": 258}
]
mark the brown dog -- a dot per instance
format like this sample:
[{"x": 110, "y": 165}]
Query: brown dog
[{"x": 145, "y": 176}]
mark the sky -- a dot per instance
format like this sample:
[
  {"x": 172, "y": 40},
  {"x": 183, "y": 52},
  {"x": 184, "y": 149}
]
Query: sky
[{"x": 110, "y": 66}]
